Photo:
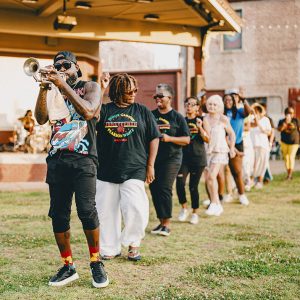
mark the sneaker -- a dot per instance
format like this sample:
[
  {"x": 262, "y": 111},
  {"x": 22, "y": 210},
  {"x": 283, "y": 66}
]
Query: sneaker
[
  {"x": 214, "y": 210},
  {"x": 134, "y": 254},
  {"x": 100, "y": 279},
  {"x": 206, "y": 202},
  {"x": 247, "y": 188},
  {"x": 183, "y": 214},
  {"x": 194, "y": 219},
  {"x": 165, "y": 231},
  {"x": 65, "y": 275},
  {"x": 157, "y": 229},
  {"x": 258, "y": 186},
  {"x": 227, "y": 198},
  {"x": 243, "y": 199}
]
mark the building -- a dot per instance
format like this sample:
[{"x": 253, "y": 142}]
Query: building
[{"x": 264, "y": 61}]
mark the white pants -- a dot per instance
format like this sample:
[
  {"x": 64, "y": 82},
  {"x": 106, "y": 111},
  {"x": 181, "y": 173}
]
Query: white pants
[
  {"x": 128, "y": 199},
  {"x": 248, "y": 159},
  {"x": 261, "y": 156}
]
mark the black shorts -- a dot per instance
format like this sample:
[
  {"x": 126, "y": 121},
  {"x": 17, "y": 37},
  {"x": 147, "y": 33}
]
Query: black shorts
[
  {"x": 240, "y": 147},
  {"x": 66, "y": 178}
]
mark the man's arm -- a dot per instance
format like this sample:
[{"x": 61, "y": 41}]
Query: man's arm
[
  {"x": 178, "y": 140},
  {"x": 91, "y": 102},
  {"x": 40, "y": 111},
  {"x": 247, "y": 108}
]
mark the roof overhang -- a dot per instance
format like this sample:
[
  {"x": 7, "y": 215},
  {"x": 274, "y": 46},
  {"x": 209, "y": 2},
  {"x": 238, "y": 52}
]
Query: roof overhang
[{"x": 179, "y": 22}]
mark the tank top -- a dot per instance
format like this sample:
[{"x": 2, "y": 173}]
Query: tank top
[
  {"x": 76, "y": 136},
  {"x": 217, "y": 143}
]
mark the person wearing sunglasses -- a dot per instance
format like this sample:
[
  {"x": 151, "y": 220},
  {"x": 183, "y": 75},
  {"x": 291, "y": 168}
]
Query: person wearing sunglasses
[
  {"x": 174, "y": 134},
  {"x": 193, "y": 162},
  {"x": 127, "y": 140},
  {"x": 72, "y": 163}
]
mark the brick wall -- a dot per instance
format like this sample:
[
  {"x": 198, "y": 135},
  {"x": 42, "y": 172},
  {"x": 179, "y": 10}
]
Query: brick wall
[{"x": 268, "y": 64}]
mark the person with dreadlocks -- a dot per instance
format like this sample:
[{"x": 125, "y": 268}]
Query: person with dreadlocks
[
  {"x": 127, "y": 142},
  {"x": 236, "y": 115}
]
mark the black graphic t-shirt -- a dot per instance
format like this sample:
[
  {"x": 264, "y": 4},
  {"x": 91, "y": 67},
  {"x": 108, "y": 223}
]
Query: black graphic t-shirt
[
  {"x": 290, "y": 135},
  {"x": 194, "y": 152},
  {"x": 123, "y": 137},
  {"x": 74, "y": 138},
  {"x": 172, "y": 124}
]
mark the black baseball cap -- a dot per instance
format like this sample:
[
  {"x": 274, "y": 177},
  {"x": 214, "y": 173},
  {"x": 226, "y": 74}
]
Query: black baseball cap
[{"x": 68, "y": 56}]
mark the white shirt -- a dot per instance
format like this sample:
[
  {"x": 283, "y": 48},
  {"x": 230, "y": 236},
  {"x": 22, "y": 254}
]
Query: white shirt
[{"x": 260, "y": 138}]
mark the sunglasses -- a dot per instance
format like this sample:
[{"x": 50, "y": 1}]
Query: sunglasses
[
  {"x": 131, "y": 92},
  {"x": 190, "y": 104},
  {"x": 160, "y": 96},
  {"x": 67, "y": 65}
]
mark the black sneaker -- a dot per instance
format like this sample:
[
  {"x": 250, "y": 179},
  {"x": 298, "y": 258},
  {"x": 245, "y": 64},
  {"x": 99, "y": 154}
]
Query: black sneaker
[
  {"x": 65, "y": 275},
  {"x": 157, "y": 229},
  {"x": 165, "y": 231},
  {"x": 100, "y": 279}
]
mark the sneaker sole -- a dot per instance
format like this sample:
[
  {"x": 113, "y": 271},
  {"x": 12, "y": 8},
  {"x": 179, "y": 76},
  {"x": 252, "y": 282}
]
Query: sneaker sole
[
  {"x": 164, "y": 233},
  {"x": 155, "y": 232},
  {"x": 65, "y": 281},
  {"x": 101, "y": 285}
]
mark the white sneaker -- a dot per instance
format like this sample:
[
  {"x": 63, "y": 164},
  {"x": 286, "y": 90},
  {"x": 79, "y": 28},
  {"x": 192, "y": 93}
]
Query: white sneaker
[
  {"x": 214, "y": 210},
  {"x": 206, "y": 202},
  {"x": 243, "y": 199},
  {"x": 258, "y": 186},
  {"x": 227, "y": 198},
  {"x": 247, "y": 188},
  {"x": 183, "y": 214},
  {"x": 194, "y": 219}
]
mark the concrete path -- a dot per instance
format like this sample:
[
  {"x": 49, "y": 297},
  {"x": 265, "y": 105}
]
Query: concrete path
[{"x": 277, "y": 167}]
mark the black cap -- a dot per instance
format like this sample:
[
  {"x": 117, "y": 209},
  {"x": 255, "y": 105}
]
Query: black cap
[{"x": 68, "y": 56}]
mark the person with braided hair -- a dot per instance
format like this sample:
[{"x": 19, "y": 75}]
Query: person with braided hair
[{"x": 127, "y": 141}]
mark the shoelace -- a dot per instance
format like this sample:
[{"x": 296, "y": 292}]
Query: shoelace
[{"x": 62, "y": 270}]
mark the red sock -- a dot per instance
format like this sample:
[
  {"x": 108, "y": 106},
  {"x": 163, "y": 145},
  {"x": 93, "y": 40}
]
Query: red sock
[
  {"x": 66, "y": 257},
  {"x": 94, "y": 253}
]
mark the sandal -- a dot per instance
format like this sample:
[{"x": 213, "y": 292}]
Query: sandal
[
  {"x": 109, "y": 257},
  {"x": 134, "y": 254}
]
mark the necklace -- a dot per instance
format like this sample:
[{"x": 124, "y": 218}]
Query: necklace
[{"x": 73, "y": 87}]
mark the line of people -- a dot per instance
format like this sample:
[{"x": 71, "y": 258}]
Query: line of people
[{"x": 104, "y": 155}]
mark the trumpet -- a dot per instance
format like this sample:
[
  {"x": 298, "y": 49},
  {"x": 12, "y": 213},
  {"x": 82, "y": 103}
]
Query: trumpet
[{"x": 32, "y": 68}]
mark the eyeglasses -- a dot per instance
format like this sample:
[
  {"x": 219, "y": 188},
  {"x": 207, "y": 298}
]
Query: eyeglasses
[
  {"x": 160, "y": 96},
  {"x": 131, "y": 92},
  {"x": 66, "y": 64},
  {"x": 190, "y": 104}
]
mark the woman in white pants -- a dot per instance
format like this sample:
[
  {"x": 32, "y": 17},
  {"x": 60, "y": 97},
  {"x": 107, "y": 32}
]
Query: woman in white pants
[
  {"x": 127, "y": 143},
  {"x": 261, "y": 129}
]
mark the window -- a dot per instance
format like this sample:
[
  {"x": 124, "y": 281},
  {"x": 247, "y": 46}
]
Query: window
[{"x": 233, "y": 41}]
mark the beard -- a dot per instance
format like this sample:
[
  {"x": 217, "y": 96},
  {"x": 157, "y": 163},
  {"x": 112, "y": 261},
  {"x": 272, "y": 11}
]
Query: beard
[{"x": 72, "y": 79}]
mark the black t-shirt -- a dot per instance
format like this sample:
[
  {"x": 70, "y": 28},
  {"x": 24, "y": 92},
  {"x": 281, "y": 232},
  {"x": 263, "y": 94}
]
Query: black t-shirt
[
  {"x": 123, "y": 137},
  {"x": 290, "y": 135},
  {"x": 194, "y": 152},
  {"x": 73, "y": 141},
  {"x": 172, "y": 124}
]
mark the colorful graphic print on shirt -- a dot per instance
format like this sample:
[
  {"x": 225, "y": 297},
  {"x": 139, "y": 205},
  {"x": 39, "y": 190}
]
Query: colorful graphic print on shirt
[
  {"x": 120, "y": 126},
  {"x": 193, "y": 130},
  {"x": 70, "y": 135},
  {"x": 163, "y": 125}
]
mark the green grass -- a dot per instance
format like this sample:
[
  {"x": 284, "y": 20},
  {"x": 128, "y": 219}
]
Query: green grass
[{"x": 248, "y": 253}]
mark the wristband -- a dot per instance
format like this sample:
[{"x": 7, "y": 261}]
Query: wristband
[{"x": 45, "y": 87}]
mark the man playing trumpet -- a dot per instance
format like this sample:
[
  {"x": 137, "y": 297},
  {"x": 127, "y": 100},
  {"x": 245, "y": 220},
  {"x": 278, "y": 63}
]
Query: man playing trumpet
[{"x": 72, "y": 163}]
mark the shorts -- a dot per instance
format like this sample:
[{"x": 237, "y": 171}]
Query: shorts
[{"x": 217, "y": 158}]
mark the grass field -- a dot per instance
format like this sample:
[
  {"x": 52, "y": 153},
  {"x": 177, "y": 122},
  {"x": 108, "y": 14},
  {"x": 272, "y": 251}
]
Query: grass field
[{"x": 247, "y": 253}]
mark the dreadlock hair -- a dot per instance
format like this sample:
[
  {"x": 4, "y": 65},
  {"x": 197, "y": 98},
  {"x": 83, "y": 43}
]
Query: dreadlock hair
[
  {"x": 119, "y": 85},
  {"x": 234, "y": 108}
]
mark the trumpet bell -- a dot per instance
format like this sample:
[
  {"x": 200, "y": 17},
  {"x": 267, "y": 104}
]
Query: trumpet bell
[{"x": 31, "y": 66}]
